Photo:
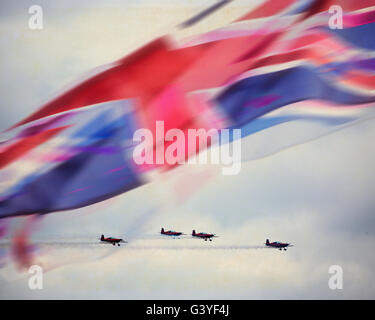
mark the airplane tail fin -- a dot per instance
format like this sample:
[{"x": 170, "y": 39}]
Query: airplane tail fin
[
  {"x": 162, "y": 230},
  {"x": 193, "y": 233},
  {"x": 267, "y": 242},
  {"x": 102, "y": 237}
]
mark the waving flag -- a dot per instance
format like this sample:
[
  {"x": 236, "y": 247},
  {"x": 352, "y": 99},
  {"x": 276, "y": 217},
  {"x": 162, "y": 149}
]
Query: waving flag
[{"x": 253, "y": 74}]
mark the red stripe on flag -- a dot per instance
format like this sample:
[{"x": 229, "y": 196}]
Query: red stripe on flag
[
  {"x": 267, "y": 9},
  {"x": 23, "y": 146}
]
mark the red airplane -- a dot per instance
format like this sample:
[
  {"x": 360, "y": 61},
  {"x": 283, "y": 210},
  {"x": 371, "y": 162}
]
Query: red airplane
[
  {"x": 170, "y": 233},
  {"x": 277, "y": 245},
  {"x": 112, "y": 240},
  {"x": 203, "y": 235}
]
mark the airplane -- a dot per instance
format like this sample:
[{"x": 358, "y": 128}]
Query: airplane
[
  {"x": 170, "y": 233},
  {"x": 277, "y": 245},
  {"x": 203, "y": 235},
  {"x": 112, "y": 240}
]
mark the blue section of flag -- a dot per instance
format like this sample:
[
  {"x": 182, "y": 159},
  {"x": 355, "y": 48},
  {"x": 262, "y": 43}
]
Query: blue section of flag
[
  {"x": 286, "y": 86},
  {"x": 91, "y": 128},
  {"x": 358, "y": 36},
  {"x": 268, "y": 122},
  {"x": 84, "y": 179},
  {"x": 337, "y": 69}
]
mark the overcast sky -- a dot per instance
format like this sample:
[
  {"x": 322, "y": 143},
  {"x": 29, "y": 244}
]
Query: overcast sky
[{"x": 317, "y": 195}]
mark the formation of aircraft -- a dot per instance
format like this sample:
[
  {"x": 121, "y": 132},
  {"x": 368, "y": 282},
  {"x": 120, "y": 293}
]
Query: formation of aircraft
[
  {"x": 111, "y": 240},
  {"x": 201, "y": 235}
]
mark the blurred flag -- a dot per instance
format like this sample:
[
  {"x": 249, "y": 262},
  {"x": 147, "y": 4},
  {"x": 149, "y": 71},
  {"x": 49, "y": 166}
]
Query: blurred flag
[{"x": 253, "y": 74}]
